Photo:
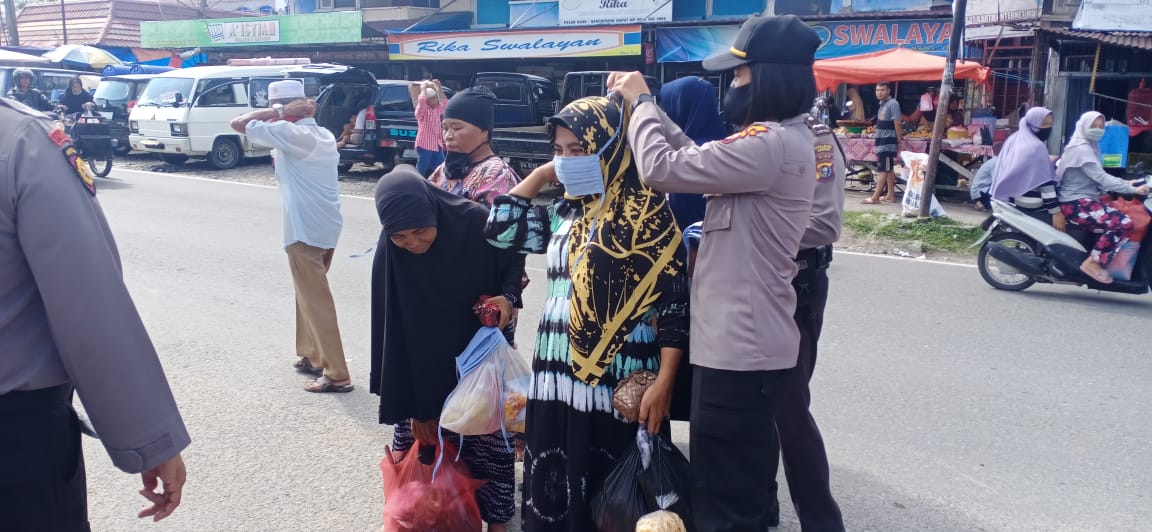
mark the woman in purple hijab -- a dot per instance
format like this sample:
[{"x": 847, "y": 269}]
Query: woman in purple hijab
[
  {"x": 691, "y": 103},
  {"x": 1025, "y": 175}
]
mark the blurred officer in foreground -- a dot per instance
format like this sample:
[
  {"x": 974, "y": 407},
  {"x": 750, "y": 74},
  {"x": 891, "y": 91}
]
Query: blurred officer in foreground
[{"x": 68, "y": 323}]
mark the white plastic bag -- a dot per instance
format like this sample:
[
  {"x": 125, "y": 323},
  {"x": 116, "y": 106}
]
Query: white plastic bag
[
  {"x": 915, "y": 168},
  {"x": 493, "y": 390}
]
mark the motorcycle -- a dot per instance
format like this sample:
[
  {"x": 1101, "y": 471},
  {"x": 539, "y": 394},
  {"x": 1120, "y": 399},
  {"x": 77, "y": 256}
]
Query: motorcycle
[
  {"x": 1018, "y": 250},
  {"x": 93, "y": 138}
]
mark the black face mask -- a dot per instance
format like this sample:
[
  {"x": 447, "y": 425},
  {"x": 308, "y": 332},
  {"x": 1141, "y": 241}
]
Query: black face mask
[
  {"x": 1043, "y": 133},
  {"x": 737, "y": 103},
  {"x": 458, "y": 164}
]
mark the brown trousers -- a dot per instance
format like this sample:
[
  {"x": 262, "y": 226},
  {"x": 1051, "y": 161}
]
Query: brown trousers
[{"x": 317, "y": 333}]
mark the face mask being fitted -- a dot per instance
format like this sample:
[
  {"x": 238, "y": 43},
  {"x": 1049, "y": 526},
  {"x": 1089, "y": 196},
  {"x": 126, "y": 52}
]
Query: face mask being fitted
[
  {"x": 1094, "y": 134},
  {"x": 457, "y": 164},
  {"x": 737, "y": 102},
  {"x": 581, "y": 174}
]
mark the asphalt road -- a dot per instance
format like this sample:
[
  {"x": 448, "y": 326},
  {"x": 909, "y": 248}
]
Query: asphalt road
[{"x": 945, "y": 405}]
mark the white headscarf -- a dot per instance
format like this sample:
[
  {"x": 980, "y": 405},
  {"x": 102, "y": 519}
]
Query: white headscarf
[{"x": 1080, "y": 151}]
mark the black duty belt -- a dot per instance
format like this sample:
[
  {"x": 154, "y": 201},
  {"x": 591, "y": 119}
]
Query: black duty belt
[
  {"x": 816, "y": 258},
  {"x": 43, "y": 400}
]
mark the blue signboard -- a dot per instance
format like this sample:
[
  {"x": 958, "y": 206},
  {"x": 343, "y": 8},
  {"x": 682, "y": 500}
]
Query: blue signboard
[{"x": 838, "y": 38}]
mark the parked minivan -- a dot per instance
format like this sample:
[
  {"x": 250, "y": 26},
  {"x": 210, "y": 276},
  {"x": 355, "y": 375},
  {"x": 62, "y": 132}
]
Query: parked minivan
[
  {"x": 115, "y": 97},
  {"x": 186, "y": 113}
]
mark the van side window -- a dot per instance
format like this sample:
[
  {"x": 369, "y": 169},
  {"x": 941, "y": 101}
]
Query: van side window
[{"x": 222, "y": 93}]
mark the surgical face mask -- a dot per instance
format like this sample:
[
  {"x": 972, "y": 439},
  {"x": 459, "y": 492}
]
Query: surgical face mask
[
  {"x": 1042, "y": 133},
  {"x": 457, "y": 164},
  {"x": 737, "y": 102},
  {"x": 1094, "y": 134},
  {"x": 581, "y": 174}
]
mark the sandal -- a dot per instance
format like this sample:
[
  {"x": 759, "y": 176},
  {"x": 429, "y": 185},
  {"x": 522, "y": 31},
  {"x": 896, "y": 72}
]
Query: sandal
[
  {"x": 303, "y": 365},
  {"x": 1101, "y": 276},
  {"x": 323, "y": 384},
  {"x": 870, "y": 201}
]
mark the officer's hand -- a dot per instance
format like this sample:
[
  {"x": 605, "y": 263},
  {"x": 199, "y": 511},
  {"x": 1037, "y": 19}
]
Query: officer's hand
[
  {"x": 629, "y": 85},
  {"x": 172, "y": 475}
]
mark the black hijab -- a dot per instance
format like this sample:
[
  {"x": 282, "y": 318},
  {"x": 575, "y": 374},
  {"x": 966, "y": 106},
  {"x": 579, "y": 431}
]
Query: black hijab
[{"x": 422, "y": 304}]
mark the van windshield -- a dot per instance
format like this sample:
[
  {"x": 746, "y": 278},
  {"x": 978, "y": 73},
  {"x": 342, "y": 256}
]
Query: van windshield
[
  {"x": 162, "y": 91},
  {"x": 113, "y": 90}
]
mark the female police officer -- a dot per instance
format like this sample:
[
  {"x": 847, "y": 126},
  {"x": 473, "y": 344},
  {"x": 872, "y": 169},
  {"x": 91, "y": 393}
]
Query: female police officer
[{"x": 743, "y": 336}]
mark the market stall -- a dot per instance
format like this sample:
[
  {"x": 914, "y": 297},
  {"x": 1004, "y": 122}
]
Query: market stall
[{"x": 901, "y": 64}]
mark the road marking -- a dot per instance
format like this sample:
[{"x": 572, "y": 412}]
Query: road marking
[
  {"x": 208, "y": 180},
  {"x": 906, "y": 259},
  {"x": 257, "y": 185}
]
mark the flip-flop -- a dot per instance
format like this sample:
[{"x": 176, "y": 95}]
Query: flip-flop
[
  {"x": 323, "y": 384},
  {"x": 1102, "y": 276},
  {"x": 868, "y": 201},
  {"x": 303, "y": 365}
]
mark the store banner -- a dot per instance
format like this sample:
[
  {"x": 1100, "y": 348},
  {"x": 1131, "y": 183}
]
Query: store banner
[
  {"x": 1114, "y": 15},
  {"x": 516, "y": 44},
  {"x": 837, "y": 39},
  {"x": 593, "y": 12},
  {"x": 320, "y": 28}
]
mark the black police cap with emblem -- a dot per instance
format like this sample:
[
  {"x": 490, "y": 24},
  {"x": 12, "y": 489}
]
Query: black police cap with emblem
[{"x": 784, "y": 40}]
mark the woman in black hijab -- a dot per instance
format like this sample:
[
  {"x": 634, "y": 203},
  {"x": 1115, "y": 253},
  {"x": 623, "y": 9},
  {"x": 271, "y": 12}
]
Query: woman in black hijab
[{"x": 432, "y": 264}]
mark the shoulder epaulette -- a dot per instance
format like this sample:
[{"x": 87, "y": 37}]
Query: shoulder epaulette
[{"x": 818, "y": 128}]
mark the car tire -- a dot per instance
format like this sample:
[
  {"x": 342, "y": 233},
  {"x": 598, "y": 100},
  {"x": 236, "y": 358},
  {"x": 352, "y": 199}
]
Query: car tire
[{"x": 225, "y": 154}]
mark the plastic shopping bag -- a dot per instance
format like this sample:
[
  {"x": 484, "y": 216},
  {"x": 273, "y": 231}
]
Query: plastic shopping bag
[
  {"x": 651, "y": 478},
  {"x": 416, "y": 500},
  {"x": 493, "y": 390},
  {"x": 915, "y": 168}
]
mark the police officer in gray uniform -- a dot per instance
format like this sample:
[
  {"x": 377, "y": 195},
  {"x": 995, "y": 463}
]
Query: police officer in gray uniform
[
  {"x": 799, "y": 440},
  {"x": 67, "y": 323}
]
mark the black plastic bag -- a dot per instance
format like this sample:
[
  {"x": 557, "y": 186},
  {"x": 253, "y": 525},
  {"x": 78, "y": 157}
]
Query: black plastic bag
[
  {"x": 654, "y": 475},
  {"x": 667, "y": 480}
]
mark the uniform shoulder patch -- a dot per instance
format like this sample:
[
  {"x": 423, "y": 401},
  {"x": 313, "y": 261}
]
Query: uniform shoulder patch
[
  {"x": 753, "y": 130},
  {"x": 818, "y": 128},
  {"x": 68, "y": 148}
]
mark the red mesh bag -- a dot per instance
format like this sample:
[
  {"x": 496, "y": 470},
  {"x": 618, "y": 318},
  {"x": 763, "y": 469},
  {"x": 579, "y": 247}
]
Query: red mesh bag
[
  {"x": 1139, "y": 110},
  {"x": 414, "y": 501}
]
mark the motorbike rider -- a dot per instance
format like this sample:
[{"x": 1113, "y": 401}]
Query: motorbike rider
[
  {"x": 76, "y": 100},
  {"x": 1082, "y": 183},
  {"x": 27, "y": 94},
  {"x": 1025, "y": 175}
]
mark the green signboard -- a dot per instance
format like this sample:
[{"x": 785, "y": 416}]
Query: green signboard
[{"x": 320, "y": 28}]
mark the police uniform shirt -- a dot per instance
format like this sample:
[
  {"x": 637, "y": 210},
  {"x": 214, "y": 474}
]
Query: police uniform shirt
[
  {"x": 762, "y": 181},
  {"x": 828, "y": 198},
  {"x": 65, "y": 313}
]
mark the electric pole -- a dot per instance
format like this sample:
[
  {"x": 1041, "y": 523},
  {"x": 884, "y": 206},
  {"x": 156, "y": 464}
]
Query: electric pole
[
  {"x": 938, "y": 126},
  {"x": 10, "y": 19}
]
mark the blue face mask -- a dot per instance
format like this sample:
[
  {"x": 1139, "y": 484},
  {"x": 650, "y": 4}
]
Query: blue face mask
[{"x": 581, "y": 174}]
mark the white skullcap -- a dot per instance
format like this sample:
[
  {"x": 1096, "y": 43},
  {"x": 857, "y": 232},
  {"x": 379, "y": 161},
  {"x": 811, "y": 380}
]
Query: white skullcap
[{"x": 285, "y": 90}]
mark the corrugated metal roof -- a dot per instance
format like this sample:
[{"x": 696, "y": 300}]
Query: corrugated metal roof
[
  {"x": 1129, "y": 39},
  {"x": 99, "y": 23}
]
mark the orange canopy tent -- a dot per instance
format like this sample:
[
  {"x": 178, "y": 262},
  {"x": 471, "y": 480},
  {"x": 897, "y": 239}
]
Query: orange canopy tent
[{"x": 897, "y": 64}]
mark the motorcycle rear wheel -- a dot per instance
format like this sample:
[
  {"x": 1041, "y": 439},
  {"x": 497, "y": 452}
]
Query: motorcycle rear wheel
[
  {"x": 1002, "y": 276},
  {"x": 100, "y": 167}
]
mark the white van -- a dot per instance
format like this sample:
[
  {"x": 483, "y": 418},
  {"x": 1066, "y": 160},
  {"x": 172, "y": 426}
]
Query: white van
[{"x": 186, "y": 113}]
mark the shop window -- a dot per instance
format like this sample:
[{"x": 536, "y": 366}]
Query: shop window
[
  {"x": 331, "y": 5},
  {"x": 736, "y": 8},
  {"x": 803, "y": 7}
]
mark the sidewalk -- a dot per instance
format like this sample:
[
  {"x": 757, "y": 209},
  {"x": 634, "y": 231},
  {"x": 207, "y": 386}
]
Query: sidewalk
[{"x": 960, "y": 212}]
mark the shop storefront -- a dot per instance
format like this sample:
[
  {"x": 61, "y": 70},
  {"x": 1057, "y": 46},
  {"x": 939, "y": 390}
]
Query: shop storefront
[{"x": 549, "y": 52}]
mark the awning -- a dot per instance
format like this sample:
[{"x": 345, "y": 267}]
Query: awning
[
  {"x": 1141, "y": 40},
  {"x": 898, "y": 64},
  {"x": 458, "y": 20}
]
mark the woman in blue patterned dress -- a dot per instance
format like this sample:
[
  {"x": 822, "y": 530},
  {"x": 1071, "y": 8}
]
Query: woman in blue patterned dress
[{"x": 617, "y": 303}]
